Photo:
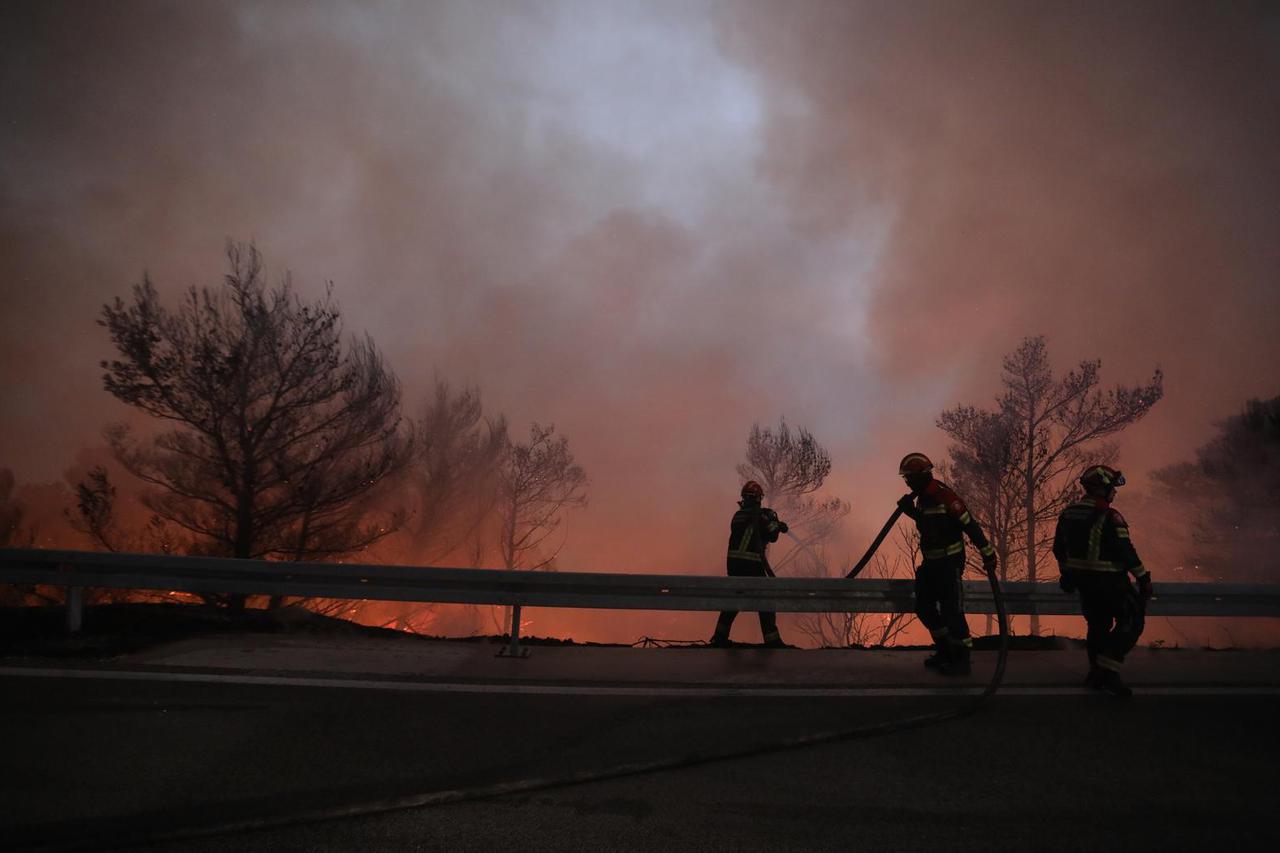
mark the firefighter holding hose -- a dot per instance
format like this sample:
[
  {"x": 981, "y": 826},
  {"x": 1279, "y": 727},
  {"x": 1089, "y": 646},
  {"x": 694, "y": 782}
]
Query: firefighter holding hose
[
  {"x": 942, "y": 519},
  {"x": 751, "y": 530}
]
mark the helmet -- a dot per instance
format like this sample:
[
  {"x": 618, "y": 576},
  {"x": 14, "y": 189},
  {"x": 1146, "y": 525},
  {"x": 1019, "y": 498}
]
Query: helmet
[
  {"x": 1101, "y": 475},
  {"x": 752, "y": 489},
  {"x": 914, "y": 463}
]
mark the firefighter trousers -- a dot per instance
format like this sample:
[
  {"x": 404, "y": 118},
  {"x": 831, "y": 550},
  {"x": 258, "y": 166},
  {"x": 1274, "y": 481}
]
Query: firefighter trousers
[
  {"x": 1114, "y": 613},
  {"x": 768, "y": 621},
  {"x": 940, "y": 599}
]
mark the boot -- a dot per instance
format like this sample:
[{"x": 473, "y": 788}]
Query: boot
[
  {"x": 1112, "y": 683},
  {"x": 773, "y": 640},
  {"x": 940, "y": 656},
  {"x": 957, "y": 663},
  {"x": 719, "y": 642},
  {"x": 1094, "y": 679}
]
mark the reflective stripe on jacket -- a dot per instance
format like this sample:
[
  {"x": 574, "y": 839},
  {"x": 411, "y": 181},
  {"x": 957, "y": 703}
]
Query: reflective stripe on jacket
[
  {"x": 751, "y": 531},
  {"x": 1093, "y": 537},
  {"x": 943, "y": 521}
]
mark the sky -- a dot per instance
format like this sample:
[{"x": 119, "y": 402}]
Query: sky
[{"x": 655, "y": 223}]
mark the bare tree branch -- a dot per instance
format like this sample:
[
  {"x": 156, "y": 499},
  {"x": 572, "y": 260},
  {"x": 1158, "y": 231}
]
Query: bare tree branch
[
  {"x": 537, "y": 481},
  {"x": 1016, "y": 465}
]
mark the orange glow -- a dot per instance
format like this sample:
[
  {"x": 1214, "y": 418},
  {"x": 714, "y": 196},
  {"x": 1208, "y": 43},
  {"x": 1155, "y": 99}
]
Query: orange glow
[{"x": 696, "y": 218}]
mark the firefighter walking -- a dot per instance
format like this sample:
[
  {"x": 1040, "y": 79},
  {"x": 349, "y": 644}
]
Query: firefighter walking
[
  {"x": 751, "y": 530},
  {"x": 1095, "y": 557},
  {"x": 943, "y": 520}
]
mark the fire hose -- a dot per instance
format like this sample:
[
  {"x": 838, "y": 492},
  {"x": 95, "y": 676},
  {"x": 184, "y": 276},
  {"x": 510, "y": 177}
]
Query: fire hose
[
  {"x": 1001, "y": 616},
  {"x": 156, "y": 834},
  {"x": 875, "y": 545}
]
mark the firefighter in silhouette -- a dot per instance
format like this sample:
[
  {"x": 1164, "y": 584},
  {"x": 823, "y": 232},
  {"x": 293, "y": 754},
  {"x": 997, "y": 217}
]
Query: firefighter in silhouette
[
  {"x": 1095, "y": 556},
  {"x": 942, "y": 518},
  {"x": 752, "y": 529}
]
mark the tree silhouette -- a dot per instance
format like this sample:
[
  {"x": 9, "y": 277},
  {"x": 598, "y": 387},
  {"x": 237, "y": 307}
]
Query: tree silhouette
[
  {"x": 1022, "y": 459},
  {"x": 788, "y": 464},
  {"x": 791, "y": 466},
  {"x": 537, "y": 481},
  {"x": 281, "y": 432},
  {"x": 12, "y": 534},
  {"x": 1228, "y": 495},
  {"x": 96, "y": 517},
  {"x": 454, "y": 474}
]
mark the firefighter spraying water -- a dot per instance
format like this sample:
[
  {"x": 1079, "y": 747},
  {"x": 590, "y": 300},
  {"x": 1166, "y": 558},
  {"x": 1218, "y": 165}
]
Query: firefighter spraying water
[{"x": 751, "y": 530}]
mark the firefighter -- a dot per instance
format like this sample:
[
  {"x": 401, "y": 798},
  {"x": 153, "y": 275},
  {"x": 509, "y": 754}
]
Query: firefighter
[
  {"x": 1095, "y": 556},
  {"x": 941, "y": 517},
  {"x": 752, "y": 529}
]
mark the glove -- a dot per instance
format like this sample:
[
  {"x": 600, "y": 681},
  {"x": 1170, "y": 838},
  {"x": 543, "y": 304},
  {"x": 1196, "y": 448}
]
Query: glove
[
  {"x": 1067, "y": 582},
  {"x": 906, "y": 502},
  {"x": 782, "y": 527},
  {"x": 1144, "y": 587}
]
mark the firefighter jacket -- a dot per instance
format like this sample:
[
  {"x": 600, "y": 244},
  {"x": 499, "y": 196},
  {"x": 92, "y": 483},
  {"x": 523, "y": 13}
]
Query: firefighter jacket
[
  {"x": 1093, "y": 537},
  {"x": 751, "y": 531},
  {"x": 942, "y": 518}
]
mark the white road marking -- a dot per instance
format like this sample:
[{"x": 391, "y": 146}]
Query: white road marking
[{"x": 691, "y": 690}]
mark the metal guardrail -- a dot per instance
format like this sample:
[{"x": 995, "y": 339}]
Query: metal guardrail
[{"x": 76, "y": 570}]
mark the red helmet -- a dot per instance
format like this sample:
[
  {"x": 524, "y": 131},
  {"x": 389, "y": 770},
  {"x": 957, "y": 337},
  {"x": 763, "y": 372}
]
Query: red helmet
[
  {"x": 1101, "y": 475},
  {"x": 752, "y": 489},
  {"x": 915, "y": 463}
]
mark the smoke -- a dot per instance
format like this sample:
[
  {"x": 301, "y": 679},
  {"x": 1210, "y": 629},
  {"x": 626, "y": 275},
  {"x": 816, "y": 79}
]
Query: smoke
[
  {"x": 1096, "y": 172},
  {"x": 656, "y": 223}
]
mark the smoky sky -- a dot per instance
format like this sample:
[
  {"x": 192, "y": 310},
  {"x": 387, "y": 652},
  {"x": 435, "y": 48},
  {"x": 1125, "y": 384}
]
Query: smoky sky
[{"x": 655, "y": 223}]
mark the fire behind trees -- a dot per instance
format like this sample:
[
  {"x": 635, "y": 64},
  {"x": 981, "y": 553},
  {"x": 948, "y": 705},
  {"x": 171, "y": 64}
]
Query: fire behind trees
[
  {"x": 286, "y": 440},
  {"x": 270, "y": 404},
  {"x": 1017, "y": 465},
  {"x": 282, "y": 430},
  {"x": 537, "y": 481}
]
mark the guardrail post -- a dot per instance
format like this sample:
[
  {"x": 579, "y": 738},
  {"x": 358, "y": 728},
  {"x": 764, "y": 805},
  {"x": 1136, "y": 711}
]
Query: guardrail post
[
  {"x": 75, "y": 608},
  {"x": 512, "y": 649}
]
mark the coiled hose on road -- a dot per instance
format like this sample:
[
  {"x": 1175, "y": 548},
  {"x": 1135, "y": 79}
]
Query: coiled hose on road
[{"x": 524, "y": 786}]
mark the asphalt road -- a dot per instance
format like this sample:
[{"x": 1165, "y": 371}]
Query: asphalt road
[{"x": 111, "y": 764}]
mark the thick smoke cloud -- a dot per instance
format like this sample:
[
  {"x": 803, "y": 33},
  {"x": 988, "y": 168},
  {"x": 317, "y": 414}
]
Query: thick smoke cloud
[
  {"x": 555, "y": 201},
  {"x": 656, "y": 223},
  {"x": 1103, "y": 173}
]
